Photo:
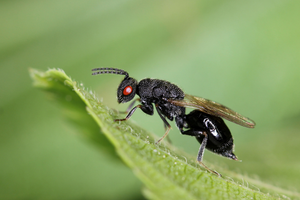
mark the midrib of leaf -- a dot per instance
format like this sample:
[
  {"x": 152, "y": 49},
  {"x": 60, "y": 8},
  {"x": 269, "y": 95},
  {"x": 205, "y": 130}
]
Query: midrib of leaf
[{"x": 166, "y": 172}]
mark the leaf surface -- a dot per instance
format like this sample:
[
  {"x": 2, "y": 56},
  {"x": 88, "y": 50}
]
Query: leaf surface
[{"x": 167, "y": 172}]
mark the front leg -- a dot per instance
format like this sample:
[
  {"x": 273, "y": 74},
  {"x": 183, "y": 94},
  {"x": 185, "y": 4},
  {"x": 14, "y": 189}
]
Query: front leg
[
  {"x": 130, "y": 106},
  {"x": 146, "y": 108}
]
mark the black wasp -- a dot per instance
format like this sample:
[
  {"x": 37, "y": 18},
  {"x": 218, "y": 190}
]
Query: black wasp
[{"x": 205, "y": 122}]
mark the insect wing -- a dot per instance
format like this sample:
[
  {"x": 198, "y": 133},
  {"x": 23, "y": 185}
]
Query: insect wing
[{"x": 213, "y": 108}]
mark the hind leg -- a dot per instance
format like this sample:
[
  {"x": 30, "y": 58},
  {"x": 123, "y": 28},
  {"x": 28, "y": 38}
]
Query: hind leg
[{"x": 202, "y": 147}]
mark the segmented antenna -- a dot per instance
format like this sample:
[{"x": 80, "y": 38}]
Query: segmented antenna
[{"x": 108, "y": 70}]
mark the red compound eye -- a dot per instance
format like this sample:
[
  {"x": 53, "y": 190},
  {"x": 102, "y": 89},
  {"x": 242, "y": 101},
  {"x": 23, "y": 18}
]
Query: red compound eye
[{"x": 127, "y": 90}]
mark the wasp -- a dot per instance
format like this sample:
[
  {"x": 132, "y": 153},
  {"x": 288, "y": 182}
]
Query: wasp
[{"x": 205, "y": 122}]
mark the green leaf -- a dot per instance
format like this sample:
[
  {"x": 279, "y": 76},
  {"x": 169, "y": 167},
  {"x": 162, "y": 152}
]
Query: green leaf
[
  {"x": 166, "y": 172},
  {"x": 61, "y": 88}
]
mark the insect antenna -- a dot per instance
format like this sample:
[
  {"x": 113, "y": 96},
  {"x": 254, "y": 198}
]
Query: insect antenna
[{"x": 108, "y": 70}]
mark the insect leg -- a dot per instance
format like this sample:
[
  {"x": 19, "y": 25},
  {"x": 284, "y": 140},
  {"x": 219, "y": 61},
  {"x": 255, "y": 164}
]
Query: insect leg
[
  {"x": 201, "y": 152},
  {"x": 202, "y": 147},
  {"x": 166, "y": 124},
  {"x": 203, "y": 143},
  {"x": 167, "y": 137},
  {"x": 146, "y": 108},
  {"x": 129, "y": 114},
  {"x": 130, "y": 106},
  {"x": 210, "y": 170}
]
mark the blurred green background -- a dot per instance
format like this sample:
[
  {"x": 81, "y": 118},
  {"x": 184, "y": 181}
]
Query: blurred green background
[{"x": 243, "y": 54}]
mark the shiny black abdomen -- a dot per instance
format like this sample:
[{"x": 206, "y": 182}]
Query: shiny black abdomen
[{"x": 219, "y": 137}]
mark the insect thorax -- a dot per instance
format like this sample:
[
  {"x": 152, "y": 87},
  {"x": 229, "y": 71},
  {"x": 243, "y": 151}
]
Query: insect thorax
[{"x": 155, "y": 91}]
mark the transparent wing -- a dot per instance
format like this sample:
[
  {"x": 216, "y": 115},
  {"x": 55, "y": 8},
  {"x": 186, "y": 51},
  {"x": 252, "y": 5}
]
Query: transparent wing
[{"x": 213, "y": 108}]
